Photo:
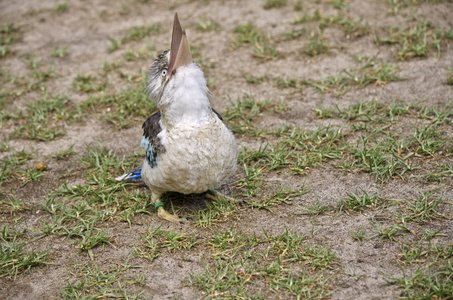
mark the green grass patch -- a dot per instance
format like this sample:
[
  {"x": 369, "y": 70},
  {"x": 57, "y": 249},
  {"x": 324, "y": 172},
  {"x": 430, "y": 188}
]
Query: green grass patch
[
  {"x": 442, "y": 171},
  {"x": 449, "y": 79},
  {"x": 433, "y": 281},
  {"x": 64, "y": 153},
  {"x": 252, "y": 182},
  {"x": 288, "y": 83},
  {"x": 88, "y": 84},
  {"x": 338, "y": 4},
  {"x": 351, "y": 27},
  {"x": 12, "y": 203},
  {"x": 59, "y": 52},
  {"x": 244, "y": 114},
  {"x": 29, "y": 175},
  {"x": 139, "y": 54},
  {"x": 358, "y": 234},
  {"x": 96, "y": 280},
  {"x": 368, "y": 143},
  {"x": 79, "y": 211},
  {"x": 219, "y": 211},
  {"x": 60, "y": 8},
  {"x": 316, "y": 46},
  {"x": 136, "y": 33},
  {"x": 249, "y": 78},
  {"x": 45, "y": 118},
  {"x": 124, "y": 107},
  {"x": 14, "y": 173},
  {"x": 317, "y": 208},
  {"x": 358, "y": 201},
  {"x": 275, "y": 4},
  {"x": 9, "y": 164},
  {"x": 280, "y": 196},
  {"x": 286, "y": 265},
  {"x": 354, "y": 28},
  {"x": 9, "y": 34},
  {"x": 207, "y": 24},
  {"x": 294, "y": 34},
  {"x": 158, "y": 240},
  {"x": 297, "y": 150},
  {"x": 32, "y": 81},
  {"x": 417, "y": 40},
  {"x": 396, "y": 5},
  {"x": 371, "y": 72},
  {"x": 261, "y": 44},
  {"x": 5, "y": 117},
  {"x": 15, "y": 259},
  {"x": 381, "y": 158},
  {"x": 109, "y": 67},
  {"x": 38, "y": 73},
  {"x": 139, "y": 32},
  {"x": 428, "y": 140},
  {"x": 423, "y": 209}
]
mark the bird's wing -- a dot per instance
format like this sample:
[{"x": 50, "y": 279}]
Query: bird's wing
[
  {"x": 150, "y": 140},
  {"x": 218, "y": 115},
  {"x": 221, "y": 119}
]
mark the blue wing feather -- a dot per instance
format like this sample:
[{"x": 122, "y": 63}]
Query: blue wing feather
[
  {"x": 149, "y": 151},
  {"x": 136, "y": 174}
]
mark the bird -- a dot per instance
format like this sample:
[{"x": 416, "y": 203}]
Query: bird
[{"x": 188, "y": 147}]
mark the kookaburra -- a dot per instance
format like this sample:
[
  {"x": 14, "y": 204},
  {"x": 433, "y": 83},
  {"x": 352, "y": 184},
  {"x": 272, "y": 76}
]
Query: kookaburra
[{"x": 188, "y": 147}]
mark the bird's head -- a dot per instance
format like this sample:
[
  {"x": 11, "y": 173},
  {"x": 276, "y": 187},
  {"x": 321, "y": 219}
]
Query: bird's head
[{"x": 167, "y": 64}]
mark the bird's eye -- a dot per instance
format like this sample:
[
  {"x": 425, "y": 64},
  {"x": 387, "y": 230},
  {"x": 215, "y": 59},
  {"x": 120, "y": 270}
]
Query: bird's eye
[{"x": 164, "y": 72}]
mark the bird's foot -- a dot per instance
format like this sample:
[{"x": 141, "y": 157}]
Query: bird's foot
[
  {"x": 214, "y": 195},
  {"x": 163, "y": 214}
]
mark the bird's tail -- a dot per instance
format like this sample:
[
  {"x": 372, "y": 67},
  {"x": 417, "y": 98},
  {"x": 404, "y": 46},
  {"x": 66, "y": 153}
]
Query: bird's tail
[{"x": 136, "y": 174}]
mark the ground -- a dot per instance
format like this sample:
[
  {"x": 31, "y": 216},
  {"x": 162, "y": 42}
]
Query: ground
[{"x": 343, "y": 113}]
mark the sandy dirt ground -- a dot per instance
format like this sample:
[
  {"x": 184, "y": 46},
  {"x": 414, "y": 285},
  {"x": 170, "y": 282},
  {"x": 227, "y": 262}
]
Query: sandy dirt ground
[{"x": 343, "y": 114}]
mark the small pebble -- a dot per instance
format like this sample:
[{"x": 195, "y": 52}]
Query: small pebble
[{"x": 41, "y": 166}]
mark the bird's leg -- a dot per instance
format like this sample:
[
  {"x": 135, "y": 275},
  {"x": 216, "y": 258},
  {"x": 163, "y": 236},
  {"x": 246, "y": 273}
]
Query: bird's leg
[
  {"x": 214, "y": 195},
  {"x": 161, "y": 212}
]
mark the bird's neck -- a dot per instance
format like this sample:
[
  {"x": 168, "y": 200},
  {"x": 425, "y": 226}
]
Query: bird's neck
[{"x": 186, "y": 100}]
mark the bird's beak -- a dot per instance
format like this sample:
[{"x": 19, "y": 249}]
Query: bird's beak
[{"x": 179, "y": 51}]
